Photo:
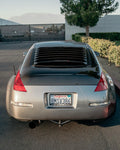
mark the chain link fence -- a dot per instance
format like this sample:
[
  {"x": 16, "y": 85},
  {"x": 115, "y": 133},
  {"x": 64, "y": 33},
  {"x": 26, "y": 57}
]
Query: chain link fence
[{"x": 33, "y": 32}]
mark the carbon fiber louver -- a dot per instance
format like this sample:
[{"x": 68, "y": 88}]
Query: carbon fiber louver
[{"x": 59, "y": 56}]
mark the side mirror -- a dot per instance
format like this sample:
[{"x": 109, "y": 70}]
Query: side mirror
[
  {"x": 24, "y": 54},
  {"x": 97, "y": 54}
]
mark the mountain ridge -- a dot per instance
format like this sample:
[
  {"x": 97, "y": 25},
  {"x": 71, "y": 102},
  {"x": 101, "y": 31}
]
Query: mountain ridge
[
  {"x": 39, "y": 18},
  {"x": 7, "y": 22}
]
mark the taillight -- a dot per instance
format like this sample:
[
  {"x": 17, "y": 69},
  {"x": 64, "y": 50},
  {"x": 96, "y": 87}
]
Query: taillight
[
  {"x": 18, "y": 84},
  {"x": 102, "y": 84}
]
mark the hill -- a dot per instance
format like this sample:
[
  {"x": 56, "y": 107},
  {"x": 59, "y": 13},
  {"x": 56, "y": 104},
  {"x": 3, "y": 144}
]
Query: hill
[
  {"x": 39, "y": 18},
  {"x": 7, "y": 22}
]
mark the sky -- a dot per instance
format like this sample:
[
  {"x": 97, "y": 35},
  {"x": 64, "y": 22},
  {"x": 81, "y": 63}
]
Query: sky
[{"x": 12, "y": 8}]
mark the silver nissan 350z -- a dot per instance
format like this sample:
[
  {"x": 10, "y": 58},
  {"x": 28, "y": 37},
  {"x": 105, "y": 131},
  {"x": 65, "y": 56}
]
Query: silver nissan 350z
[{"x": 60, "y": 81}]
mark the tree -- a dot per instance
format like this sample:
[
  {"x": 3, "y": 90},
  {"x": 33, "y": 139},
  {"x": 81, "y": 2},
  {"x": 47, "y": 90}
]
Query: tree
[{"x": 86, "y": 13}]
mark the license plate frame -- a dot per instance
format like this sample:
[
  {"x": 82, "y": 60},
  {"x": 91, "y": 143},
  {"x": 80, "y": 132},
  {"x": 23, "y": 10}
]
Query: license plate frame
[{"x": 60, "y": 100}]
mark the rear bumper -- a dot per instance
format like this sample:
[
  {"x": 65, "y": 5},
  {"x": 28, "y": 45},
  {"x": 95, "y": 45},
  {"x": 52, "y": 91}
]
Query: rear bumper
[
  {"x": 36, "y": 113},
  {"x": 32, "y": 105}
]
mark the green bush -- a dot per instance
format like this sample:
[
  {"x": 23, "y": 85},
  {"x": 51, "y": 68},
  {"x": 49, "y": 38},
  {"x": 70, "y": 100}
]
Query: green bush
[
  {"x": 101, "y": 46},
  {"x": 78, "y": 38},
  {"x": 73, "y": 37},
  {"x": 117, "y": 58},
  {"x": 114, "y": 55},
  {"x": 112, "y": 36},
  {"x": 106, "y": 48},
  {"x": 85, "y": 39},
  {"x": 117, "y": 43}
]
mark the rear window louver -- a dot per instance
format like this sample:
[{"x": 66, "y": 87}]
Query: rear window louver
[{"x": 59, "y": 56}]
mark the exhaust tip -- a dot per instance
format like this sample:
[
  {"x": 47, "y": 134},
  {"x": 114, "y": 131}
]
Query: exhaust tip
[{"x": 32, "y": 125}]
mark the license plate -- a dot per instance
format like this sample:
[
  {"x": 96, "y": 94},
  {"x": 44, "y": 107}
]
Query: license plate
[{"x": 60, "y": 100}]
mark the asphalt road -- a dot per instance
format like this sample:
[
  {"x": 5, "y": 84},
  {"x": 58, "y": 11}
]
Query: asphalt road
[{"x": 16, "y": 135}]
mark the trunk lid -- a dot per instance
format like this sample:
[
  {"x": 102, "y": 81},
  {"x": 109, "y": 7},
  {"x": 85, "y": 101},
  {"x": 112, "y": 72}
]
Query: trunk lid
[{"x": 71, "y": 76}]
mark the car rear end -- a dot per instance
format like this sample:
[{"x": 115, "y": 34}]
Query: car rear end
[{"x": 62, "y": 82}]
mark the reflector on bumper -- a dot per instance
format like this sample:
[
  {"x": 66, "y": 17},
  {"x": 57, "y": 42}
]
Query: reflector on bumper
[
  {"x": 98, "y": 104},
  {"x": 21, "y": 104}
]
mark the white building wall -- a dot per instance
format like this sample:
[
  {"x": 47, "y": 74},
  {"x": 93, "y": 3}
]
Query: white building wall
[{"x": 109, "y": 23}]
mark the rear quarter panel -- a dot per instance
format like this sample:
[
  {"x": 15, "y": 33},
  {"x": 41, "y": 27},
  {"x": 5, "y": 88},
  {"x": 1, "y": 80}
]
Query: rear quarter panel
[{"x": 9, "y": 93}]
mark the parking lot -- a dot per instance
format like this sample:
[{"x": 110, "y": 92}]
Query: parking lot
[{"x": 16, "y": 135}]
